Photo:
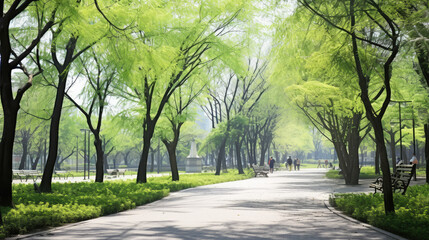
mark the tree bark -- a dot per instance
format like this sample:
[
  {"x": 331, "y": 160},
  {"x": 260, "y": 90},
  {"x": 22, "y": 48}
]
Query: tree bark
[
  {"x": 99, "y": 170},
  {"x": 238, "y": 154},
  {"x": 152, "y": 159},
  {"x": 6, "y": 146},
  {"x": 148, "y": 130},
  {"x": 221, "y": 156},
  {"x": 171, "y": 149},
  {"x": 45, "y": 185},
  {"x": 393, "y": 149},
  {"x": 24, "y": 143}
]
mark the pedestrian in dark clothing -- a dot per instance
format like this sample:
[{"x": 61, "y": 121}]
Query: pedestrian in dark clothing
[
  {"x": 289, "y": 163},
  {"x": 294, "y": 164},
  {"x": 272, "y": 165}
]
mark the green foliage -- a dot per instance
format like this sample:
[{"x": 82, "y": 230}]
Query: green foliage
[
  {"x": 368, "y": 173},
  {"x": 411, "y": 219},
  {"x": 365, "y": 173},
  {"x": 72, "y": 202}
]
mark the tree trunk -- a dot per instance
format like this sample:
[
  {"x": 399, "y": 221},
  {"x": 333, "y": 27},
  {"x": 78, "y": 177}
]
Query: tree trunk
[
  {"x": 45, "y": 185},
  {"x": 231, "y": 155},
  {"x": 243, "y": 157},
  {"x": 221, "y": 156},
  {"x": 393, "y": 149},
  {"x": 99, "y": 170},
  {"x": 348, "y": 162},
  {"x": 422, "y": 56},
  {"x": 238, "y": 154},
  {"x": 387, "y": 188},
  {"x": 6, "y": 152},
  {"x": 24, "y": 153},
  {"x": 171, "y": 149},
  {"x": 149, "y": 128},
  {"x": 262, "y": 159},
  {"x": 57, "y": 163},
  {"x": 152, "y": 159},
  {"x": 34, "y": 164}
]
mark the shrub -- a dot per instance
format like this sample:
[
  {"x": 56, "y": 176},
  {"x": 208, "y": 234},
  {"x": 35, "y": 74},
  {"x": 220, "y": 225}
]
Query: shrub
[{"x": 411, "y": 218}]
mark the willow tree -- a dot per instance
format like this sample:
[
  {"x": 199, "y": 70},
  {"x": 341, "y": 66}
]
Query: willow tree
[
  {"x": 188, "y": 37},
  {"x": 333, "y": 114},
  {"x": 76, "y": 31},
  {"x": 323, "y": 86},
  {"x": 374, "y": 37},
  {"x": 21, "y": 30},
  {"x": 100, "y": 72},
  {"x": 178, "y": 111}
]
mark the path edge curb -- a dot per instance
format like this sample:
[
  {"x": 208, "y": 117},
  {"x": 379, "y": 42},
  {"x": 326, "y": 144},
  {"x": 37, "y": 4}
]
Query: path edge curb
[{"x": 340, "y": 214}]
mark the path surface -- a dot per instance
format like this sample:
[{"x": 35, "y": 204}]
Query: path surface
[{"x": 286, "y": 205}]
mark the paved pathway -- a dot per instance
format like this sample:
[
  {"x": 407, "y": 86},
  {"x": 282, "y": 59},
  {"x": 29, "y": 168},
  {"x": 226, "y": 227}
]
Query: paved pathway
[{"x": 286, "y": 205}]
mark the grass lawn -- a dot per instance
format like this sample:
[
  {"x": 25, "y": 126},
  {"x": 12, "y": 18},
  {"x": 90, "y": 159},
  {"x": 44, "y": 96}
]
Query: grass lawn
[
  {"x": 368, "y": 172},
  {"x": 73, "y": 202}
]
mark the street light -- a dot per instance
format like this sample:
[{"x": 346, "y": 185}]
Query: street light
[
  {"x": 77, "y": 153},
  {"x": 85, "y": 147},
  {"x": 400, "y": 124}
]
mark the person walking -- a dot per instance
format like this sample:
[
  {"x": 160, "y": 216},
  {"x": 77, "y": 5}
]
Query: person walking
[
  {"x": 289, "y": 163},
  {"x": 272, "y": 164},
  {"x": 294, "y": 164},
  {"x": 319, "y": 164},
  {"x": 298, "y": 163}
]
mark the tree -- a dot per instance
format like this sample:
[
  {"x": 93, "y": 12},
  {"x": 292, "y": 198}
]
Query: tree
[
  {"x": 414, "y": 15},
  {"x": 75, "y": 41},
  {"x": 372, "y": 17},
  {"x": 171, "y": 60},
  {"x": 177, "y": 112},
  {"x": 324, "y": 88},
  {"x": 100, "y": 73},
  {"x": 332, "y": 113},
  {"x": 13, "y": 55}
]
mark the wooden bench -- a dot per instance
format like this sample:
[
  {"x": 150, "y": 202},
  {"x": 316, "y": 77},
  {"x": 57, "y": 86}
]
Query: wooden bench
[
  {"x": 116, "y": 172},
  {"x": 260, "y": 170},
  {"x": 61, "y": 173},
  {"x": 21, "y": 174},
  {"x": 400, "y": 179}
]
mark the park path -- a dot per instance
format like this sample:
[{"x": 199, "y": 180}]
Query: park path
[{"x": 286, "y": 205}]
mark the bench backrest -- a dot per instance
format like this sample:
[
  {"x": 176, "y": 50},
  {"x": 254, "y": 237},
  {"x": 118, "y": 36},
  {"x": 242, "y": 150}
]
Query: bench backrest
[
  {"x": 259, "y": 168},
  {"x": 111, "y": 170},
  {"x": 25, "y": 171},
  {"x": 404, "y": 172}
]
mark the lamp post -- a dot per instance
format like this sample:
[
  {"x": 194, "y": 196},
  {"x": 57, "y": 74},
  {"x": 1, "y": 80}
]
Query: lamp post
[
  {"x": 77, "y": 153},
  {"x": 400, "y": 125},
  {"x": 85, "y": 155}
]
